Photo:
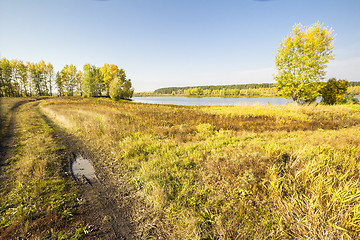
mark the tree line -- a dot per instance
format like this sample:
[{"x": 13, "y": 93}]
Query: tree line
[
  {"x": 25, "y": 79},
  {"x": 261, "y": 90},
  {"x": 182, "y": 90},
  {"x": 19, "y": 79},
  {"x": 229, "y": 92}
]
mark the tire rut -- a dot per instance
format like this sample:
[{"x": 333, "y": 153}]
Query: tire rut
[
  {"x": 6, "y": 142},
  {"x": 7, "y": 137},
  {"x": 106, "y": 202}
]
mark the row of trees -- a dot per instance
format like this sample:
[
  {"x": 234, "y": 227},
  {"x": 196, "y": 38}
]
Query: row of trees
[
  {"x": 37, "y": 79},
  {"x": 108, "y": 80},
  {"x": 25, "y": 79}
]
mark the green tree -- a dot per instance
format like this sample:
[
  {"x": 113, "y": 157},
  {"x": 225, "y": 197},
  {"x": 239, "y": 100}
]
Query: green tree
[
  {"x": 109, "y": 73},
  {"x": 106, "y": 77},
  {"x": 301, "y": 61},
  {"x": 15, "y": 78},
  {"x": 49, "y": 71},
  {"x": 6, "y": 87},
  {"x": 23, "y": 78},
  {"x": 121, "y": 87},
  {"x": 36, "y": 78},
  {"x": 79, "y": 82},
  {"x": 334, "y": 91},
  {"x": 59, "y": 83},
  {"x": 42, "y": 73},
  {"x": 92, "y": 81},
  {"x": 69, "y": 77}
]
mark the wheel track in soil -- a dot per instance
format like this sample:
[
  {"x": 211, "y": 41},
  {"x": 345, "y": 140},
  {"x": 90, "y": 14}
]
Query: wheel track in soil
[
  {"x": 106, "y": 201},
  {"x": 7, "y": 138}
]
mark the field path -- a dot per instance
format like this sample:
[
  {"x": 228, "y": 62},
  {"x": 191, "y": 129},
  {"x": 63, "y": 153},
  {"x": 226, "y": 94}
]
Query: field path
[
  {"x": 7, "y": 127},
  {"x": 106, "y": 202}
]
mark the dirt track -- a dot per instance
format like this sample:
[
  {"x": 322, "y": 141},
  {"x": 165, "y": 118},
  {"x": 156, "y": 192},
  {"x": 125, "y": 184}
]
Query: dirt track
[
  {"x": 105, "y": 204},
  {"x": 8, "y": 128}
]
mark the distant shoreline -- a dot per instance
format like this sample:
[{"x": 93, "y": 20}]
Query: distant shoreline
[{"x": 230, "y": 91}]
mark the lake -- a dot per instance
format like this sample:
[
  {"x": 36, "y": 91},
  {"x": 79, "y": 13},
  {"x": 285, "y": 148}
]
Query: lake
[{"x": 206, "y": 101}]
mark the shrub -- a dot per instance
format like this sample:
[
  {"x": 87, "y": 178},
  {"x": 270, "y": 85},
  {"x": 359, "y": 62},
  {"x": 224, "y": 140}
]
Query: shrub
[{"x": 334, "y": 91}]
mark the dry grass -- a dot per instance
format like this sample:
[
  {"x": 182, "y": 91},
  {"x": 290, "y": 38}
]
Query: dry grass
[{"x": 246, "y": 172}]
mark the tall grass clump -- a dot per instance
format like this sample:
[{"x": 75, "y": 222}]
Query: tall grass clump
[{"x": 245, "y": 172}]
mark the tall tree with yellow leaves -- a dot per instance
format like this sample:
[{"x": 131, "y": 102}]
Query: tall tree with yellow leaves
[
  {"x": 301, "y": 61},
  {"x": 109, "y": 73}
]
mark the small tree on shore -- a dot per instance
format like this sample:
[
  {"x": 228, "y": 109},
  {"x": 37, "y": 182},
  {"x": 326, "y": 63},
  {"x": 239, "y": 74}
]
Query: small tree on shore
[{"x": 301, "y": 61}]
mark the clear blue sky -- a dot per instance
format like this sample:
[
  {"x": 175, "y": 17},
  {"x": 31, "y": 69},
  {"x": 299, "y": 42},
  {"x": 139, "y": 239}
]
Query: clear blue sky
[{"x": 162, "y": 43}]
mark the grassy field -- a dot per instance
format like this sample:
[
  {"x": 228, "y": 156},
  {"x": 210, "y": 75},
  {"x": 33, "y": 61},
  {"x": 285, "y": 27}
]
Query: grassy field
[{"x": 244, "y": 172}]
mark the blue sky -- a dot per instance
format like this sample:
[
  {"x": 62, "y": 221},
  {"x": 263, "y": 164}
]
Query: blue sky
[{"x": 162, "y": 43}]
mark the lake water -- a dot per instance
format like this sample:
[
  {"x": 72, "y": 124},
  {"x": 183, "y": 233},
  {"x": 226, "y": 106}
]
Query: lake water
[{"x": 206, "y": 101}]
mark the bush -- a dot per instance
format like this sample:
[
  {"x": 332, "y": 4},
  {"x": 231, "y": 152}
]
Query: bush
[{"x": 334, "y": 91}]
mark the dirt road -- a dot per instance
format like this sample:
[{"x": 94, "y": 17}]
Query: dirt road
[{"x": 106, "y": 203}]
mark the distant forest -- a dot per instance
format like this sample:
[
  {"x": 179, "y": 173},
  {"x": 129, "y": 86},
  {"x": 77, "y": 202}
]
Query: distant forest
[
  {"x": 354, "y": 84},
  {"x": 170, "y": 90},
  {"x": 262, "y": 89}
]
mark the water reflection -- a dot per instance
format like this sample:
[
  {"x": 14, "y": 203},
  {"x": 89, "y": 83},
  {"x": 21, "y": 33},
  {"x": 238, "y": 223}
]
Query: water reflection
[{"x": 82, "y": 167}]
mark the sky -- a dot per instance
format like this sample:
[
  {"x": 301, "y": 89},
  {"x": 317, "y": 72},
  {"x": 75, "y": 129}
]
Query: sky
[{"x": 168, "y": 43}]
